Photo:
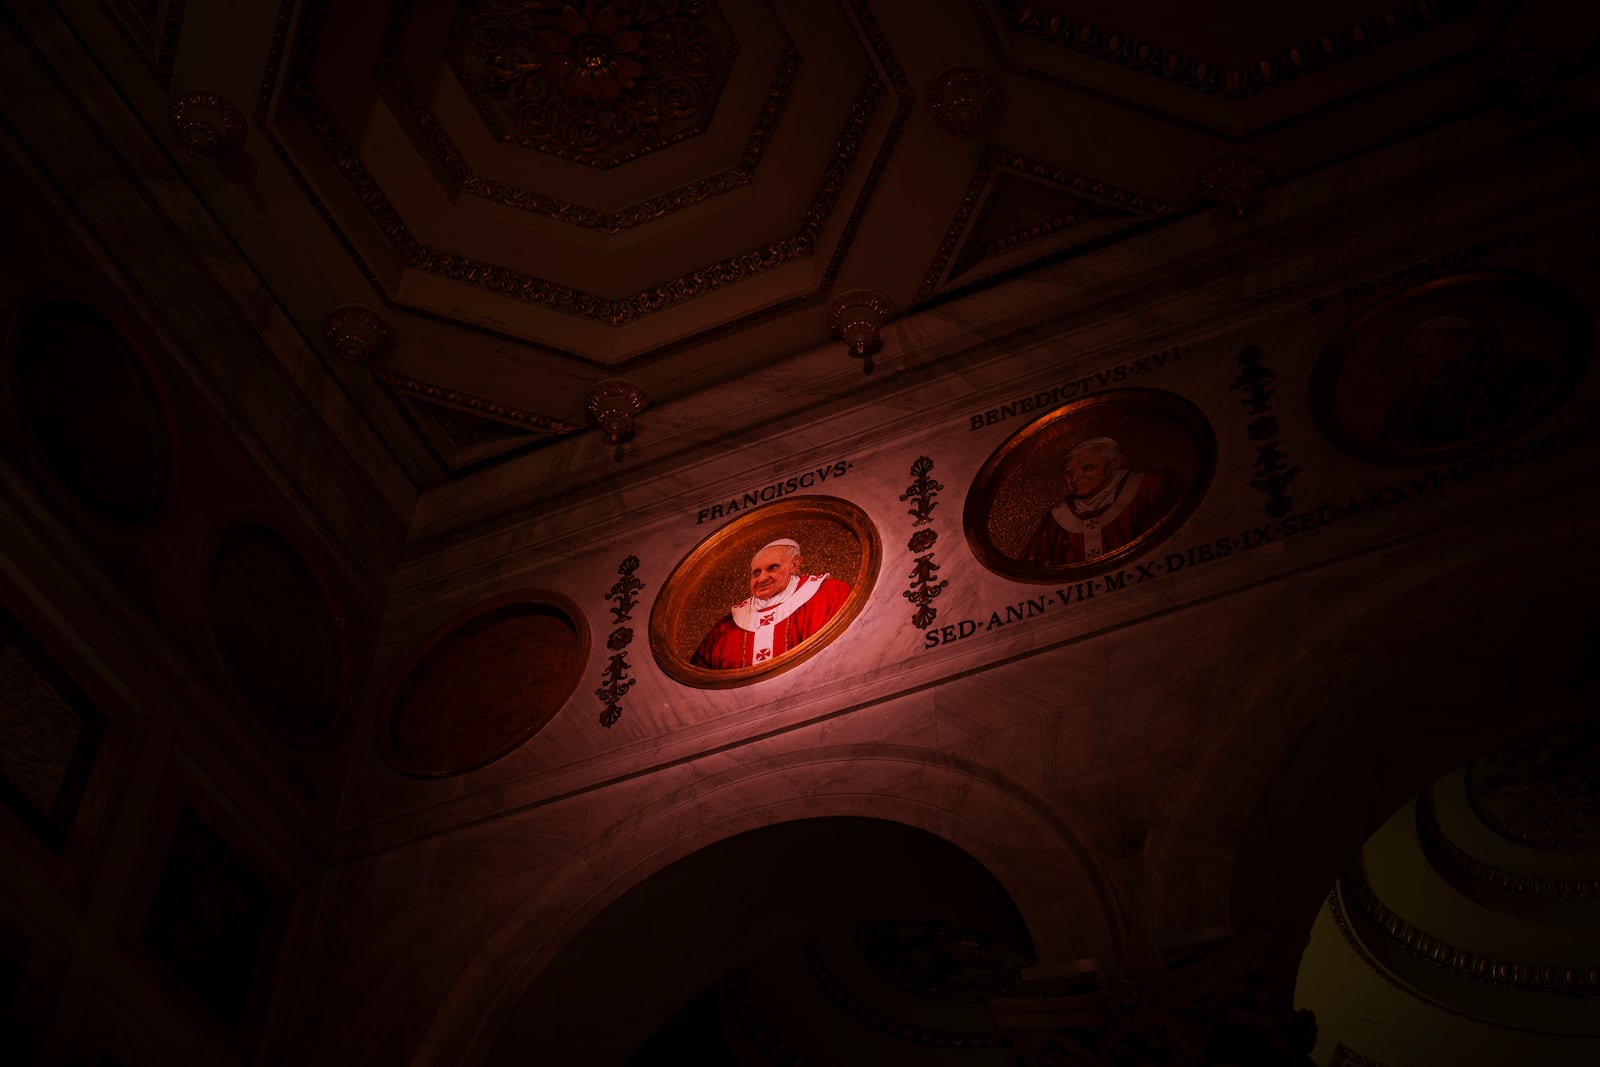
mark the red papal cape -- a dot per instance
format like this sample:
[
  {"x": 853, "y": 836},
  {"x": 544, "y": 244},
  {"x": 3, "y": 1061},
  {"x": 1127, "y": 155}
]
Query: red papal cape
[
  {"x": 759, "y": 637},
  {"x": 1068, "y": 534}
]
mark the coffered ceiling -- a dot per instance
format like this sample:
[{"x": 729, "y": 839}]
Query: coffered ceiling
[{"x": 533, "y": 197}]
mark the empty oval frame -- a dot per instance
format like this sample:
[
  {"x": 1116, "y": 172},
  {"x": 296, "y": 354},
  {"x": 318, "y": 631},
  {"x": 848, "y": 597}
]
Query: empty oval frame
[
  {"x": 92, "y": 410},
  {"x": 707, "y": 628},
  {"x": 1451, "y": 366},
  {"x": 1085, "y": 488},
  {"x": 278, "y": 637},
  {"x": 483, "y": 684}
]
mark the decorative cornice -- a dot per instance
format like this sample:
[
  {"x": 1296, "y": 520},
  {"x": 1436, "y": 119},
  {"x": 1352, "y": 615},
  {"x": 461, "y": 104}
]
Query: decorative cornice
[
  {"x": 1283, "y": 66},
  {"x": 488, "y": 408},
  {"x": 975, "y": 202},
  {"x": 278, "y": 45},
  {"x": 1341, "y": 923},
  {"x": 1439, "y": 848},
  {"x": 1532, "y": 977},
  {"x": 464, "y": 429},
  {"x": 162, "y": 58}
]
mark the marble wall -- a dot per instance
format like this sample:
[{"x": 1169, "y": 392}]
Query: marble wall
[{"x": 1368, "y": 583}]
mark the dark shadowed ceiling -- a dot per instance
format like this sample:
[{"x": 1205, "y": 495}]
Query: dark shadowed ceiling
[{"x": 534, "y": 197}]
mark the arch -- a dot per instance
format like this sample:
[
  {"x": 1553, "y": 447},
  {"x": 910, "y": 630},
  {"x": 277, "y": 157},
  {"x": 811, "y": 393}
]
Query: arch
[
  {"x": 1063, "y": 899},
  {"x": 1396, "y": 683}
]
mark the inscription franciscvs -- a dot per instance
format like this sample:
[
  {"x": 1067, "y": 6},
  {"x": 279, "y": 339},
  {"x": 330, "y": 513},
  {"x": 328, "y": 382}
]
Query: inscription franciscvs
[{"x": 750, "y": 498}]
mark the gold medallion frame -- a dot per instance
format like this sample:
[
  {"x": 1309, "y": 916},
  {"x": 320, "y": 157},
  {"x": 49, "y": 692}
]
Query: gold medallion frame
[
  {"x": 835, "y": 537},
  {"x": 1006, "y": 494}
]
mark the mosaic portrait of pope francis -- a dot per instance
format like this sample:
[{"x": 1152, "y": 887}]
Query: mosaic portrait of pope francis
[{"x": 785, "y": 607}]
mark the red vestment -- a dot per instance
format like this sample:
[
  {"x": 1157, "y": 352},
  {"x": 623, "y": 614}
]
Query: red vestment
[
  {"x": 1142, "y": 500},
  {"x": 728, "y": 646}
]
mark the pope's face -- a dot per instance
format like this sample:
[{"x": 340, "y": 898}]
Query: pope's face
[
  {"x": 771, "y": 570},
  {"x": 1088, "y": 471},
  {"x": 1429, "y": 355}
]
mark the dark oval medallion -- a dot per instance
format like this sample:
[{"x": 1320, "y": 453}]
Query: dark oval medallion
[{"x": 482, "y": 685}]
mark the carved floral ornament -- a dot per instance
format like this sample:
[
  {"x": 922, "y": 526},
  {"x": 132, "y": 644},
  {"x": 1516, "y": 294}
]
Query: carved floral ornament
[
  {"x": 357, "y": 333},
  {"x": 206, "y": 123},
  {"x": 612, "y": 405},
  {"x": 855, "y": 317},
  {"x": 1524, "y": 79},
  {"x": 1233, "y": 183},
  {"x": 598, "y": 83},
  {"x": 965, "y": 100}
]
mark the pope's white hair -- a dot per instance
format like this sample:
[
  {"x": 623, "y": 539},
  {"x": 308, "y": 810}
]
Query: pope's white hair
[
  {"x": 1101, "y": 444},
  {"x": 783, "y": 542}
]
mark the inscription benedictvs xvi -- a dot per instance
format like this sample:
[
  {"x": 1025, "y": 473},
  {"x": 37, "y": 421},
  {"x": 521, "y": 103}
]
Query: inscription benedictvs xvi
[{"x": 1077, "y": 387}]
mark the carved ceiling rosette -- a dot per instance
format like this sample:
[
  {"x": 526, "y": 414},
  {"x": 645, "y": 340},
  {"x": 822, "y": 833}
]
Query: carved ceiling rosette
[{"x": 600, "y": 84}]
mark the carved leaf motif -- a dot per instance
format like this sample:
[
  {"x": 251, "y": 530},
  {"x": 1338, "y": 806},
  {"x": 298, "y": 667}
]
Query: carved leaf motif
[
  {"x": 615, "y": 680},
  {"x": 623, "y": 589},
  {"x": 923, "y": 490},
  {"x": 595, "y": 83},
  {"x": 923, "y": 591}
]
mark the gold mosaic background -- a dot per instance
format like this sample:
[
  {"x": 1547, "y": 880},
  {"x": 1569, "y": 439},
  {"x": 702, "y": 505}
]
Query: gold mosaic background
[
  {"x": 1029, "y": 483},
  {"x": 827, "y": 546}
]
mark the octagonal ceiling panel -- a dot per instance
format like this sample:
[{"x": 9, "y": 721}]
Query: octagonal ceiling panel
[
  {"x": 704, "y": 244},
  {"x": 454, "y": 213}
]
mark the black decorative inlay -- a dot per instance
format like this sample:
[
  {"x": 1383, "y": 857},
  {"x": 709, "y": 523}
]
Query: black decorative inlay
[
  {"x": 1273, "y": 473},
  {"x": 924, "y": 588},
  {"x": 624, "y": 589},
  {"x": 615, "y": 681},
  {"x": 922, "y": 491}
]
